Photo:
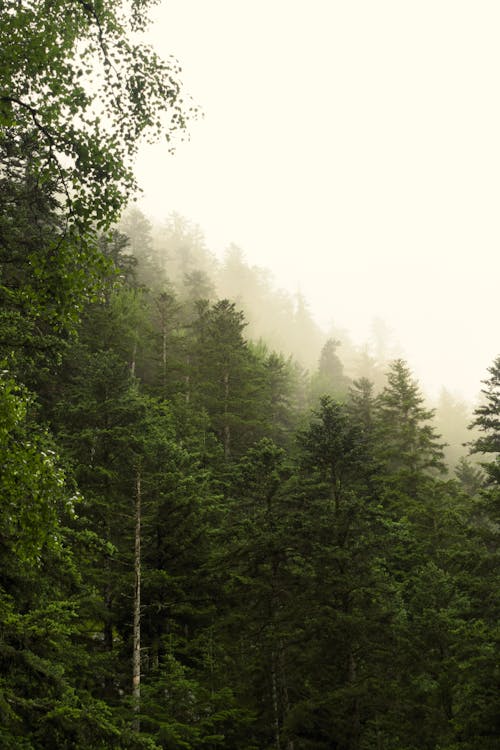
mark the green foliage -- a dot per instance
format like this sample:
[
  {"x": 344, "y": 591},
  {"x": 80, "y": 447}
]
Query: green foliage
[
  {"x": 32, "y": 483},
  {"x": 74, "y": 78},
  {"x": 78, "y": 92},
  {"x": 487, "y": 421},
  {"x": 471, "y": 477},
  {"x": 335, "y": 592},
  {"x": 312, "y": 588},
  {"x": 408, "y": 447},
  {"x": 225, "y": 375},
  {"x": 329, "y": 380}
]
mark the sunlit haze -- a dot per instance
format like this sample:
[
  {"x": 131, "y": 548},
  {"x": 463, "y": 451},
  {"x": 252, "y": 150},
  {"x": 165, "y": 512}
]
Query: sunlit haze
[{"x": 353, "y": 149}]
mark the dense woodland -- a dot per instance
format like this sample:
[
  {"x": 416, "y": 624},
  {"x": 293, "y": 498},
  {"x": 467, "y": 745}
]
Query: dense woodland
[{"x": 219, "y": 528}]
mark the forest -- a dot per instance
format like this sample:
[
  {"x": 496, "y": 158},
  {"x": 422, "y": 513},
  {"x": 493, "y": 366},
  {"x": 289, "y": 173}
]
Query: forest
[{"x": 219, "y": 527}]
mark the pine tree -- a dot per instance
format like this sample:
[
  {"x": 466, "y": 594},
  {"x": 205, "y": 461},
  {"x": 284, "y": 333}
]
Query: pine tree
[
  {"x": 409, "y": 448},
  {"x": 258, "y": 590},
  {"x": 487, "y": 421},
  {"x": 480, "y": 725},
  {"x": 346, "y": 594},
  {"x": 329, "y": 380},
  {"x": 426, "y": 520},
  {"x": 223, "y": 375}
]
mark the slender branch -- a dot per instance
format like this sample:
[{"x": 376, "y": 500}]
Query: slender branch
[{"x": 34, "y": 113}]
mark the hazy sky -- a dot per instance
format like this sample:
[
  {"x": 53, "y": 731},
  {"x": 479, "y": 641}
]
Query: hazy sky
[{"x": 353, "y": 148}]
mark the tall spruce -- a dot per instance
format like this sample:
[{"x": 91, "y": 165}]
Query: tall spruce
[{"x": 408, "y": 446}]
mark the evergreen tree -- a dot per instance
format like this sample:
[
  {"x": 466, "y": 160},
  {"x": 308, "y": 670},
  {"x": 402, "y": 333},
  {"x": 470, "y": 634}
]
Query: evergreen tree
[
  {"x": 487, "y": 421},
  {"x": 408, "y": 446},
  {"x": 224, "y": 375},
  {"x": 180, "y": 249},
  {"x": 258, "y": 591},
  {"x": 452, "y": 420},
  {"x": 329, "y": 379},
  {"x": 427, "y": 518},
  {"x": 471, "y": 477},
  {"x": 42, "y": 703},
  {"x": 345, "y": 588},
  {"x": 307, "y": 337},
  {"x": 480, "y": 724}
]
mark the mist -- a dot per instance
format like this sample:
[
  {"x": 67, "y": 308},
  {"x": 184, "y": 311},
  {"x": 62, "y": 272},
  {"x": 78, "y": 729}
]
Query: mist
[
  {"x": 175, "y": 254},
  {"x": 351, "y": 150},
  {"x": 249, "y": 491}
]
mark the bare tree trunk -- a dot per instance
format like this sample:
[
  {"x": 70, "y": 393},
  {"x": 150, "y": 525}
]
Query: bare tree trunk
[
  {"x": 134, "y": 356},
  {"x": 136, "y": 657},
  {"x": 155, "y": 654}
]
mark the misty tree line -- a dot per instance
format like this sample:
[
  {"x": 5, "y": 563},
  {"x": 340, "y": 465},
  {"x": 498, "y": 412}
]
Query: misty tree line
[
  {"x": 204, "y": 545},
  {"x": 311, "y": 576}
]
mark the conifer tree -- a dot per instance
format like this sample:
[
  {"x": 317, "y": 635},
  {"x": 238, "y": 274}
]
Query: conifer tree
[
  {"x": 329, "y": 380},
  {"x": 258, "y": 590},
  {"x": 408, "y": 446},
  {"x": 43, "y": 703},
  {"x": 345, "y": 589},
  {"x": 487, "y": 421},
  {"x": 480, "y": 725},
  {"x": 224, "y": 373}
]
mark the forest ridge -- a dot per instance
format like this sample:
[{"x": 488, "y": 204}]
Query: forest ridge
[{"x": 203, "y": 543}]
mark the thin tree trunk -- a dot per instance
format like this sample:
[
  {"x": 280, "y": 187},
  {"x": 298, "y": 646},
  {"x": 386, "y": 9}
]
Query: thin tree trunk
[
  {"x": 155, "y": 654},
  {"x": 134, "y": 357},
  {"x": 136, "y": 657}
]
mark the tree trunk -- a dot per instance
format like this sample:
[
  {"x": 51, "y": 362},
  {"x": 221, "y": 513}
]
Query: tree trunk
[
  {"x": 134, "y": 356},
  {"x": 136, "y": 657}
]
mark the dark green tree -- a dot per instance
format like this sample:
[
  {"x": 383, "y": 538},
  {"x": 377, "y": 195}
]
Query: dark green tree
[
  {"x": 224, "y": 375},
  {"x": 347, "y": 595},
  {"x": 41, "y": 593},
  {"x": 487, "y": 421},
  {"x": 478, "y": 714},
  {"x": 408, "y": 446},
  {"x": 258, "y": 588}
]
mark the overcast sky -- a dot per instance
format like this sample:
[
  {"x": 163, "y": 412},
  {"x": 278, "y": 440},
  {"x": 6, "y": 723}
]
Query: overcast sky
[{"x": 353, "y": 148}]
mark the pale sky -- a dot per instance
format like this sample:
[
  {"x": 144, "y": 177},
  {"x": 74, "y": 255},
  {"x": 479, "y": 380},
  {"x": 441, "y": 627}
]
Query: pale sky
[{"x": 353, "y": 148}]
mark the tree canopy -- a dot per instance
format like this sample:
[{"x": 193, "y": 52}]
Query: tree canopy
[{"x": 202, "y": 545}]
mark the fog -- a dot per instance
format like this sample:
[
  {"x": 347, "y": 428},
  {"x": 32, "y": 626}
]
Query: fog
[{"x": 352, "y": 149}]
